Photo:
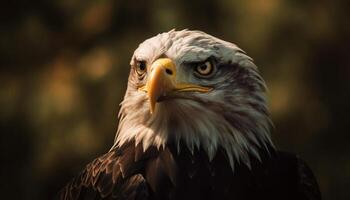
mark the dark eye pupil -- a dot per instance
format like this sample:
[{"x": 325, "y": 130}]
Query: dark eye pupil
[
  {"x": 142, "y": 66},
  {"x": 203, "y": 67}
]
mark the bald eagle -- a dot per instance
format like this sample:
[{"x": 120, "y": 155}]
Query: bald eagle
[{"x": 194, "y": 124}]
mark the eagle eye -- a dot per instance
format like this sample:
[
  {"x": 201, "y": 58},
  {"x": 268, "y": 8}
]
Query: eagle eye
[
  {"x": 141, "y": 67},
  {"x": 204, "y": 68}
]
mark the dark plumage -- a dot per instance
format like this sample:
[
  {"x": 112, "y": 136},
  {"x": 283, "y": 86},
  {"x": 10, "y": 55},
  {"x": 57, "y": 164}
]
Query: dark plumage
[
  {"x": 128, "y": 173},
  {"x": 193, "y": 125}
]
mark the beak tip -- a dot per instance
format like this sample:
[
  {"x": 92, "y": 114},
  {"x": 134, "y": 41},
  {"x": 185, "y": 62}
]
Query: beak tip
[{"x": 152, "y": 107}]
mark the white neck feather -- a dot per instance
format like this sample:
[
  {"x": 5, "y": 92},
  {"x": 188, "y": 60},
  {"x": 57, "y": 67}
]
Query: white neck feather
[{"x": 198, "y": 125}]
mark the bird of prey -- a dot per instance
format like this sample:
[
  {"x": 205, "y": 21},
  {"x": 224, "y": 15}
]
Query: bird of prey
[{"x": 194, "y": 124}]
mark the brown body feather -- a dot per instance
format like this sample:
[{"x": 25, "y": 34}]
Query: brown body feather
[{"x": 126, "y": 173}]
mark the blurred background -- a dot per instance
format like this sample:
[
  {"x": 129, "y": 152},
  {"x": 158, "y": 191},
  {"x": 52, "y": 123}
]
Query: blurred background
[{"x": 65, "y": 63}]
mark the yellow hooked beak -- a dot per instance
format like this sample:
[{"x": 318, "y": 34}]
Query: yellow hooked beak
[{"x": 162, "y": 82}]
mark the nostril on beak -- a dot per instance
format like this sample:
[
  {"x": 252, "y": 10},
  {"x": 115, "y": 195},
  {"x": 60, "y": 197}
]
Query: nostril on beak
[{"x": 169, "y": 71}]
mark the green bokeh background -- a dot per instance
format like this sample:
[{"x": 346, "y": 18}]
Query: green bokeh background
[{"x": 65, "y": 63}]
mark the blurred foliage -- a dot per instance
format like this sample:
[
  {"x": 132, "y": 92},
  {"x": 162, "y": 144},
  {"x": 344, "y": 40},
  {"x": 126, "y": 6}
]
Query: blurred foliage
[{"x": 64, "y": 68}]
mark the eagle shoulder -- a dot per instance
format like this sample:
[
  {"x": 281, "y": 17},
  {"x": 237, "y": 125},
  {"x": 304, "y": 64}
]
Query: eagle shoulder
[
  {"x": 308, "y": 185},
  {"x": 286, "y": 176},
  {"x": 114, "y": 175}
]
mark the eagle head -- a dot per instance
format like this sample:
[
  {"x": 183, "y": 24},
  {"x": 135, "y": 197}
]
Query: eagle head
[{"x": 188, "y": 86}]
